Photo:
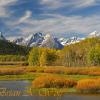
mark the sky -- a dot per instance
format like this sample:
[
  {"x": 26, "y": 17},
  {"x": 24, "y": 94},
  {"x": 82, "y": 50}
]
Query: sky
[{"x": 59, "y": 17}]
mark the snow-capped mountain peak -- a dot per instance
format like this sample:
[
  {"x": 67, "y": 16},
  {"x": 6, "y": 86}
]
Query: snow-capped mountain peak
[
  {"x": 39, "y": 40},
  {"x": 94, "y": 34},
  {"x": 36, "y": 38},
  {"x": 71, "y": 40},
  {"x": 29, "y": 37},
  {"x": 51, "y": 42}
]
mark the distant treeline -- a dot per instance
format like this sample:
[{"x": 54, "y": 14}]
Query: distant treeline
[
  {"x": 7, "y": 48},
  {"x": 11, "y": 53},
  {"x": 84, "y": 53}
]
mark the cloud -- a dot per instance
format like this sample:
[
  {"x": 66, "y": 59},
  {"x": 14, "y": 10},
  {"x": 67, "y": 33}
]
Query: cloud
[
  {"x": 83, "y": 3},
  {"x": 27, "y": 15},
  {"x": 59, "y": 24},
  {"x": 56, "y": 23},
  {"x": 4, "y": 12},
  {"x": 73, "y": 4},
  {"x": 53, "y": 4}
]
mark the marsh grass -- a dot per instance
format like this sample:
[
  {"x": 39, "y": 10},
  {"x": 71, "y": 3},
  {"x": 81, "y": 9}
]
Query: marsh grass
[
  {"x": 89, "y": 85},
  {"x": 52, "y": 81}
]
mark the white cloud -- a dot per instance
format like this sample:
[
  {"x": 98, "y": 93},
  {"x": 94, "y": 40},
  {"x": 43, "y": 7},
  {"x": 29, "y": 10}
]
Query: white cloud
[
  {"x": 83, "y": 3},
  {"x": 27, "y": 15},
  {"x": 59, "y": 24},
  {"x": 53, "y": 4},
  {"x": 54, "y": 23},
  {"x": 73, "y": 4},
  {"x": 3, "y": 7}
]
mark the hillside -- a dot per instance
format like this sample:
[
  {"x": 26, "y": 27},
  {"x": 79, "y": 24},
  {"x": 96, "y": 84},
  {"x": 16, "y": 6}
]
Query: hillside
[{"x": 8, "y": 48}]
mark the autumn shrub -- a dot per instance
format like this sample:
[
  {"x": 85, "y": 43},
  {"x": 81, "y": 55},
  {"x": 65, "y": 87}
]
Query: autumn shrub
[
  {"x": 54, "y": 70},
  {"x": 94, "y": 71},
  {"x": 12, "y": 71},
  {"x": 36, "y": 69},
  {"x": 30, "y": 69},
  {"x": 88, "y": 85},
  {"x": 52, "y": 82}
]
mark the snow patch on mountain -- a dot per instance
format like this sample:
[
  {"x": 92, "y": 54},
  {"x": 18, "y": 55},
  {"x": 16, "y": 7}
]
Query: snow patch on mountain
[
  {"x": 94, "y": 34},
  {"x": 51, "y": 42},
  {"x": 71, "y": 40}
]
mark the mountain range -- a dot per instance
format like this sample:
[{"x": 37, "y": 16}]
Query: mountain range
[
  {"x": 39, "y": 40},
  {"x": 49, "y": 41}
]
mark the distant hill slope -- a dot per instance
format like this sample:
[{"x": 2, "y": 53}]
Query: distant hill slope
[{"x": 7, "y": 48}]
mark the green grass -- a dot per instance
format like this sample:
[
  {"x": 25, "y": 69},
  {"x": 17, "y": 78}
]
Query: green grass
[{"x": 27, "y": 76}]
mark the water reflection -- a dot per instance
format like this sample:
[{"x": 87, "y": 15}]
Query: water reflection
[{"x": 21, "y": 86}]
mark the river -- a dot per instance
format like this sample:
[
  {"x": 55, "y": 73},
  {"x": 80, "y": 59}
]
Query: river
[{"x": 9, "y": 91}]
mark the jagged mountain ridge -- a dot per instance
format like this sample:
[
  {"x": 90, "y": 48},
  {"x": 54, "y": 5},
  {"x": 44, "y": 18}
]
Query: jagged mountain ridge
[
  {"x": 49, "y": 41},
  {"x": 39, "y": 40},
  {"x": 71, "y": 40},
  {"x": 75, "y": 39}
]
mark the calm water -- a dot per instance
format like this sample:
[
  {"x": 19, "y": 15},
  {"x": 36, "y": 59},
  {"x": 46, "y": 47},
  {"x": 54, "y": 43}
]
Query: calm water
[{"x": 13, "y": 86}]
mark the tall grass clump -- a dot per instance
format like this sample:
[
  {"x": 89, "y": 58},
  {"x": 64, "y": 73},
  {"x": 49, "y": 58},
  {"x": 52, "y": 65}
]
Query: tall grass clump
[
  {"x": 52, "y": 82},
  {"x": 89, "y": 86}
]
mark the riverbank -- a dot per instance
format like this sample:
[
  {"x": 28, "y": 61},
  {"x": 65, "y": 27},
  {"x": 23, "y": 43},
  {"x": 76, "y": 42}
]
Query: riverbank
[{"x": 31, "y": 73}]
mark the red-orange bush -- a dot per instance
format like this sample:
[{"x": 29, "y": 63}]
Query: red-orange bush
[
  {"x": 88, "y": 85},
  {"x": 52, "y": 82}
]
